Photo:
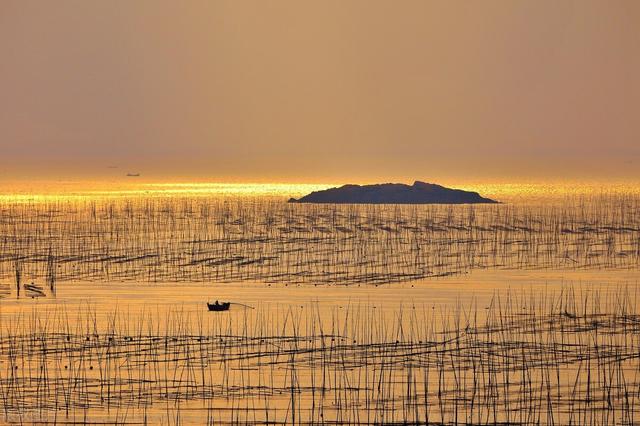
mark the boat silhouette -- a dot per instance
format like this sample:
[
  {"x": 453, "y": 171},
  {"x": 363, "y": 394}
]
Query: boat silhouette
[{"x": 224, "y": 306}]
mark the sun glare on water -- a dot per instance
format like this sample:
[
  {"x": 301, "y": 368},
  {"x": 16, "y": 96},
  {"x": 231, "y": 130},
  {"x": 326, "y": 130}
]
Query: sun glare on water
[
  {"x": 56, "y": 191},
  {"x": 77, "y": 191}
]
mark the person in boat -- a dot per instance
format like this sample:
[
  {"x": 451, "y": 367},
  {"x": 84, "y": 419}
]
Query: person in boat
[{"x": 217, "y": 306}]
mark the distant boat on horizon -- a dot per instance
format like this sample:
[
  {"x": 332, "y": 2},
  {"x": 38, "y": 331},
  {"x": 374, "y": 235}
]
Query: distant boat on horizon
[{"x": 133, "y": 174}]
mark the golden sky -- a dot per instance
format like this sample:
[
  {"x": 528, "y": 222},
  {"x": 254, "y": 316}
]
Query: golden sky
[{"x": 325, "y": 91}]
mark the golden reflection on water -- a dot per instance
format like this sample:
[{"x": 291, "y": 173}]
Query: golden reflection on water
[
  {"x": 53, "y": 191},
  {"x": 519, "y": 192},
  {"x": 72, "y": 191}
]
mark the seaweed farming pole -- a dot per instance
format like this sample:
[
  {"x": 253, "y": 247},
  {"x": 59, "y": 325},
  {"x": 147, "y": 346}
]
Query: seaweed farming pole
[
  {"x": 18, "y": 268},
  {"x": 51, "y": 273}
]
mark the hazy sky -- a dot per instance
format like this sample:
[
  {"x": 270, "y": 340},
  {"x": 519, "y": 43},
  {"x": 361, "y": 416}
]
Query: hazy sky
[{"x": 320, "y": 91}]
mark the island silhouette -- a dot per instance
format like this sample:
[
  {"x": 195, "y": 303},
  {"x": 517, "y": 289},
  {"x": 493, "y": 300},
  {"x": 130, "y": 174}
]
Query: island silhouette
[{"x": 394, "y": 193}]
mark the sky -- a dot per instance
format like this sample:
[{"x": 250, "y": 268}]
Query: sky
[{"x": 326, "y": 91}]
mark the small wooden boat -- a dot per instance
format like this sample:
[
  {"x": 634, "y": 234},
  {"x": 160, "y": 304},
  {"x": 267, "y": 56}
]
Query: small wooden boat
[{"x": 219, "y": 306}]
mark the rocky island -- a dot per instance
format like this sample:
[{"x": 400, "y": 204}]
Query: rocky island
[{"x": 394, "y": 193}]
